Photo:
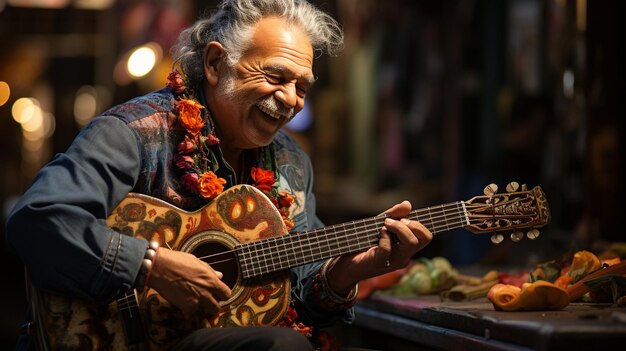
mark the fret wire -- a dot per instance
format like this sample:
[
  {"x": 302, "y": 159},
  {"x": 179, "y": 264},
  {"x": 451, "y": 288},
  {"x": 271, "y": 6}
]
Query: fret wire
[
  {"x": 323, "y": 235},
  {"x": 327, "y": 242},
  {"x": 309, "y": 253},
  {"x": 273, "y": 256},
  {"x": 309, "y": 248},
  {"x": 249, "y": 260},
  {"x": 458, "y": 210},
  {"x": 274, "y": 260},
  {"x": 435, "y": 225},
  {"x": 295, "y": 256},
  {"x": 445, "y": 218},
  {"x": 432, "y": 227},
  {"x": 465, "y": 215},
  {"x": 365, "y": 227},
  {"x": 308, "y": 256}
]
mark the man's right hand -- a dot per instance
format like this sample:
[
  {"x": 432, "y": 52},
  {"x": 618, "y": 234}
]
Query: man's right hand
[{"x": 187, "y": 282}]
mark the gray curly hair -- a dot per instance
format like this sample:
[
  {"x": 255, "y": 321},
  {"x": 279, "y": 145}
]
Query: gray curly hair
[{"x": 232, "y": 24}]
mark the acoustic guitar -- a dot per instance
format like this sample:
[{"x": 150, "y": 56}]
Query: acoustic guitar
[{"x": 242, "y": 235}]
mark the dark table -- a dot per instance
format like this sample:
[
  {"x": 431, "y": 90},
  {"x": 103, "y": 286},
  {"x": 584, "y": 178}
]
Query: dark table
[{"x": 429, "y": 323}]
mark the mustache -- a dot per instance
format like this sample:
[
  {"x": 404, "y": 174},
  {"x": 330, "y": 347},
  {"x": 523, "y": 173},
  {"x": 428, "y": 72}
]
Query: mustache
[{"x": 277, "y": 107}]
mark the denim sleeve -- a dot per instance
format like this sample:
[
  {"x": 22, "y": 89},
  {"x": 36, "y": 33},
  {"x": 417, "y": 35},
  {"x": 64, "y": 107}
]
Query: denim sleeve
[
  {"x": 306, "y": 296},
  {"x": 58, "y": 225}
]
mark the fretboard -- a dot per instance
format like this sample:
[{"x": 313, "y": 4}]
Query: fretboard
[{"x": 286, "y": 251}]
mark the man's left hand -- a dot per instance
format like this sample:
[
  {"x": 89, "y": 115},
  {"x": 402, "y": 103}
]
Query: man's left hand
[{"x": 400, "y": 239}]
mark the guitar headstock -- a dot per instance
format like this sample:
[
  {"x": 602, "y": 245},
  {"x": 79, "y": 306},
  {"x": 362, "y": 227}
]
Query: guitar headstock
[{"x": 515, "y": 211}]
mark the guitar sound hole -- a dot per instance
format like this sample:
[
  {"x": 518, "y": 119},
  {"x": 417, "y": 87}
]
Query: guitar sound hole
[{"x": 221, "y": 258}]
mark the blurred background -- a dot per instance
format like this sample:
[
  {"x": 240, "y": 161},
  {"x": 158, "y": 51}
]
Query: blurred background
[{"x": 431, "y": 101}]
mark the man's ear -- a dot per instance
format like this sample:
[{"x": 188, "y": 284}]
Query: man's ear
[{"x": 213, "y": 59}]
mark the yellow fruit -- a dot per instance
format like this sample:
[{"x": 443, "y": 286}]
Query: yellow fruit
[
  {"x": 583, "y": 263},
  {"x": 542, "y": 296},
  {"x": 505, "y": 297}
]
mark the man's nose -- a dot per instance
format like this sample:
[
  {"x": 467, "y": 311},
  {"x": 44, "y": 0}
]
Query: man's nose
[{"x": 287, "y": 95}]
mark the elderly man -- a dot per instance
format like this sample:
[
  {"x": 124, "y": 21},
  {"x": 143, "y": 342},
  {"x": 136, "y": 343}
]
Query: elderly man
[{"x": 242, "y": 74}]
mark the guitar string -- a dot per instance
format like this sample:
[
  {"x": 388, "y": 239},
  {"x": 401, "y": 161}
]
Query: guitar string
[
  {"x": 344, "y": 245},
  {"x": 332, "y": 227},
  {"x": 310, "y": 252},
  {"x": 413, "y": 214},
  {"x": 308, "y": 249},
  {"x": 342, "y": 240}
]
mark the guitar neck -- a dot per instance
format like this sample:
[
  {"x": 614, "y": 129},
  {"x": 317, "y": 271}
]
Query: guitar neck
[{"x": 286, "y": 251}]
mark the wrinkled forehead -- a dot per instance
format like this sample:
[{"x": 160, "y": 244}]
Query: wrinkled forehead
[{"x": 273, "y": 37}]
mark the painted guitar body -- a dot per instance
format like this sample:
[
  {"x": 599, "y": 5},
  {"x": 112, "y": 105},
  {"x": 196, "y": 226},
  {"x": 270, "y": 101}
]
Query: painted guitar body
[{"x": 240, "y": 214}]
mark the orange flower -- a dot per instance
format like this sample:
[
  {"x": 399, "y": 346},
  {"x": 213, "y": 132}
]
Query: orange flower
[
  {"x": 263, "y": 179},
  {"x": 285, "y": 199},
  {"x": 189, "y": 115},
  {"x": 288, "y": 223},
  {"x": 211, "y": 185}
]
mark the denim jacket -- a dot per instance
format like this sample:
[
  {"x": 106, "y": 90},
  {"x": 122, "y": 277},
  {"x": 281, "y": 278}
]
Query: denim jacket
[{"x": 58, "y": 226}]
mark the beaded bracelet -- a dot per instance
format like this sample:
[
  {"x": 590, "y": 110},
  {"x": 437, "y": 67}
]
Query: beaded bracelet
[{"x": 147, "y": 264}]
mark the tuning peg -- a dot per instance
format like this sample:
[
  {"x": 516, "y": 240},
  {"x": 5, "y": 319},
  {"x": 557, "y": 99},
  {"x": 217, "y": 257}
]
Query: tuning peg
[
  {"x": 524, "y": 187},
  {"x": 490, "y": 189},
  {"x": 512, "y": 187},
  {"x": 517, "y": 236},
  {"x": 497, "y": 238},
  {"x": 532, "y": 234}
]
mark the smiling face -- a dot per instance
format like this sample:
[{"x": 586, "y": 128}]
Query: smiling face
[{"x": 251, "y": 101}]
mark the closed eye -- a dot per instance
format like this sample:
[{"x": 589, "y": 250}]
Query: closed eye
[{"x": 273, "y": 79}]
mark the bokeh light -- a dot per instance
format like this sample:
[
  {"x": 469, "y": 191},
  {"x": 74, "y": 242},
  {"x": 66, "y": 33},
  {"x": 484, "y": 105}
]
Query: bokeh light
[
  {"x": 142, "y": 61},
  {"x": 5, "y": 92}
]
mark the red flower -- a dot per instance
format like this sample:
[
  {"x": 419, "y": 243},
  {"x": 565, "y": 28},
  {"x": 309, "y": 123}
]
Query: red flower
[
  {"x": 263, "y": 179},
  {"x": 190, "y": 181},
  {"x": 209, "y": 141},
  {"x": 212, "y": 140},
  {"x": 186, "y": 146},
  {"x": 184, "y": 163},
  {"x": 175, "y": 82}
]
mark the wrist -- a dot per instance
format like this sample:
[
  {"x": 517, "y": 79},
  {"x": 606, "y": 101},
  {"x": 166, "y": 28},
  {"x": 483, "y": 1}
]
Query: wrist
[
  {"x": 335, "y": 272},
  {"x": 147, "y": 265}
]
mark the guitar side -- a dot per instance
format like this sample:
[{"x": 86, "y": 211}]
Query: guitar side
[{"x": 240, "y": 214}]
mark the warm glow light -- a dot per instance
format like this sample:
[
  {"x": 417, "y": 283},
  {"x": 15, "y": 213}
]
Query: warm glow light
[
  {"x": 49, "y": 124},
  {"x": 85, "y": 104},
  {"x": 5, "y": 93},
  {"x": 93, "y": 4},
  {"x": 21, "y": 110},
  {"x": 141, "y": 61},
  {"x": 35, "y": 122},
  {"x": 581, "y": 15},
  {"x": 48, "y": 4},
  {"x": 39, "y": 128},
  {"x": 30, "y": 137}
]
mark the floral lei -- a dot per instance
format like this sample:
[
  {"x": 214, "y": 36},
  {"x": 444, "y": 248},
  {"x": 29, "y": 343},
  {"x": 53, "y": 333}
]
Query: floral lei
[
  {"x": 197, "y": 165},
  {"x": 196, "y": 161}
]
